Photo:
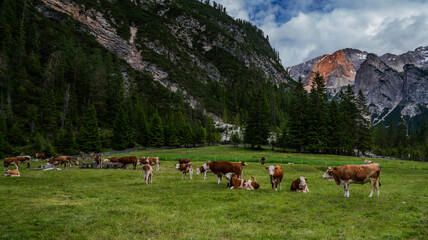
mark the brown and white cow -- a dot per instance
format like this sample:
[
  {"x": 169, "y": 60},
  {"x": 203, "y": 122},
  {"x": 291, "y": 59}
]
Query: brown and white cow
[
  {"x": 150, "y": 160},
  {"x": 276, "y": 175},
  {"x": 12, "y": 173},
  {"x": 15, "y": 161},
  {"x": 128, "y": 160},
  {"x": 220, "y": 168},
  {"x": 347, "y": 174},
  {"x": 185, "y": 168},
  {"x": 58, "y": 160},
  {"x": 148, "y": 173},
  {"x": 184, "y": 160},
  {"x": 367, "y": 161},
  {"x": 203, "y": 169},
  {"x": 299, "y": 185},
  {"x": 237, "y": 183}
]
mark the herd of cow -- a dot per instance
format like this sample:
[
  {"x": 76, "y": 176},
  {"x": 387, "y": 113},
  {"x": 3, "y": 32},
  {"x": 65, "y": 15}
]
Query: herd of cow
[{"x": 232, "y": 171}]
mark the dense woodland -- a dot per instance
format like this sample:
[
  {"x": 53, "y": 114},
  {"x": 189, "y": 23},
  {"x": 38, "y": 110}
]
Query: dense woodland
[{"x": 61, "y": 92}]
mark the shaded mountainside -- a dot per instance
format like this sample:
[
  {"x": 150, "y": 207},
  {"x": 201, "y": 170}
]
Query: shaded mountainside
[
  {"x": 394, "y": 85},
  {"x": 133, "y": 65}
]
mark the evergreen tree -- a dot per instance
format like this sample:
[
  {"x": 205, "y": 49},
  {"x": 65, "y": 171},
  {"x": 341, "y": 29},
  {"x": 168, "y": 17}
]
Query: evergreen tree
[
  {"x": 257, "y": 126},
  {"x": 156, "y": 131},
  {"x": 89, "y": 136},
  {"x": 333, "y": 127},
  {"x": 186, "y": 135},
  {"x": 348, "y": 116},
  {"x": 122, "y": 135},
  {"x": 401, "y": 138},
  {"x": 235, "y": 138},
  {"x": 317, "y": 119},
  {"x": 141, "y": 129},
  {"x": 297, "y": 117},
  {"x": 201, "y": 134},
  {"x": 3, "y": 142},
  {"x": 363, "y": 136},
  {"x": 391, "y": 134}
]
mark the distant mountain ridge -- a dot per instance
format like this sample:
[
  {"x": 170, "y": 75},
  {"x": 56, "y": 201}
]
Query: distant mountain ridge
[{"x": 394, "y": 85}]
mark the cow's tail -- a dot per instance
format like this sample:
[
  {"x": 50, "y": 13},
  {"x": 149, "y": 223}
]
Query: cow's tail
[{"x": 380, "y": 171}]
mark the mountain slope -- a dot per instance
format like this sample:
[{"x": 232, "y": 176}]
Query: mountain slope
[{"x": 394, "y": 85}]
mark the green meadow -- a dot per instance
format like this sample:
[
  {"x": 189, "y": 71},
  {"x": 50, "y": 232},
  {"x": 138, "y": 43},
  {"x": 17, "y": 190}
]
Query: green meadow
[{"x": 115, "y": 204}]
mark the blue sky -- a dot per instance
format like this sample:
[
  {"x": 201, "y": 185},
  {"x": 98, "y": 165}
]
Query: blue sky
[{"x": 303, "y": 29}]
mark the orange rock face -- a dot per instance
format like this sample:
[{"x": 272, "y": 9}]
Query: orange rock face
[{"x": 334, "y": 65}]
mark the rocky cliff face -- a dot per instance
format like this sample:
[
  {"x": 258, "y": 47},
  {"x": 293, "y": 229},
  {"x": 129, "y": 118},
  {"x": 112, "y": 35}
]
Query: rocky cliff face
[
  {"x": 338, "y": 69},
  {"x": 394, "y": 85},
  {"x": 381, "y": 85}
]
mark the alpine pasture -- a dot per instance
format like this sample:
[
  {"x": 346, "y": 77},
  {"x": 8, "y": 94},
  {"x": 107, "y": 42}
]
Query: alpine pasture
[{"x": 115, "y": 204}]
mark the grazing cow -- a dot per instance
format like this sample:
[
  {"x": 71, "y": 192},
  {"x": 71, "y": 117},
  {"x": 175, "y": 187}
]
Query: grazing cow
[
  {"x": 185, "y": 168},
  {"x": 127, "y": 160},
  {"x": 290, "y": 163},
  {"x": 276, "y": 175},
  {"x": 16, "y": 161},
  {"x": 148, "y": 173},
  {"x": 184, "y": 160},
  {"x": 12, "y": 173},
  {"x": 58, "y": 160},
  {"x": 99, "y": 160},
  {"x": 150, "y": 160},
  {"x": 367, "y": 161},
  {"x": 220, "y": 168},
  {"x": 113, "y": 159},
  {"x": 203, "y": 169},
  {"x": 299, "y": 185},
  {"x": 263, "y": 160},
  {"x": 237, "y": 183},
  {"x": 347, "y": 174}
]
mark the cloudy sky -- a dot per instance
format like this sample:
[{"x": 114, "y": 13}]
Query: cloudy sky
[{"x": 303, "y": 29}]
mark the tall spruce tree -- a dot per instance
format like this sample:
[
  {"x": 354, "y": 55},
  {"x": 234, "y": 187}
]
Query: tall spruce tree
[
  {"x": 3, "y": 129},
  {"x": 363, "y": 135},
  {"x": 333, "y": 127},
  {"x": 141, "y": 129},
  {"x": 156, "y": 131},
  {"x": 317, "y": 119},
  {"x": 89, "y": 135},
  {"x": 122, "y": 135},
  {"x": 297, "y": 123},
  {"x": 391, "y": 134},
  {"x": 348, "y": 116},
  {"x": 257, "y": 125},
  {"x": 66, "y": 141}
]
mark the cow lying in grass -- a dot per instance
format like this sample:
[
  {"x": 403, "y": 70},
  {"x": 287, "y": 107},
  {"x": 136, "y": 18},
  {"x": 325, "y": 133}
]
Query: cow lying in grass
[
  {"x": 148, "y": 173},
  {"x": 347, "y": 174},
  {"x": 12, "y": 173},
  {"x": 184, "y": 169},
  {"x": 299, "y": 185},
  {"x": 237, "y": 183}
]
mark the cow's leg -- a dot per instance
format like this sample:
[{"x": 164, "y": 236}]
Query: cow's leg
[
  {"x": 151, "y": 175},
  {"x": 28, "y": 164},
  {"x": 157, "y": 167},
  {"x": 135, "y": 165},
  {"x": 205, "y": 175},
  {"x": 373, "y": 183},
  {"x": 218, "y": 178},
  {"x": 191, "y": 173},
  {"x": 280, "y": 185},
  {"x": 347, "y": 189},
  {"x": 377, "y": 187}
]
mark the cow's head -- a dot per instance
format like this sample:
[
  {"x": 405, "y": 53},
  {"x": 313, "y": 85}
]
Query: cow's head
[
  {"x": 243, "y": 163},
  {"x": 263, "y": 160},
  {"x": 302, "y": 182},
  {"x": 202, "y": 169},
  {"x": 254, "y": 183},
  {"x": 177, "y": 166},
  {"x": 328, "y": 174},
  {"x": 271, "y": 170}
]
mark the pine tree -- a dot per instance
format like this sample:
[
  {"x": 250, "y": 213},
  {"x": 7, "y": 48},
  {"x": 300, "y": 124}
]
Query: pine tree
[
  {"x": 201, "y": 134},
  {"x": 141, "y": 129},
  {"x": 317, "y": 120},
  {"x": 297, "y": 115},
  {"x": 186, "y": 135},
  {"x": 66, "y": 141},
  {"x": 3, "y": 142},
  {"x": 363, "y": 136},
  {"x": 348, "y": 116},
  {"x": 235, "y": 138},
  {"x": 257, "y": 125},
  {"x": 333, "y": 127},
  {"x": 391, "y": 134},
  {"x": 89, "y": 136},
  {"x": 122, "y": 135},
  {"x": 156, "y": 131}
]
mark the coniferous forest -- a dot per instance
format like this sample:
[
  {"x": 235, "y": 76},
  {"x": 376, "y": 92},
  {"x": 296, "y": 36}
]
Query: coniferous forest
[{"x": 61, "y": 92}]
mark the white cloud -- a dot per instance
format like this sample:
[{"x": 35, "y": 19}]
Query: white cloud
[{"x": 307, "y": 30}]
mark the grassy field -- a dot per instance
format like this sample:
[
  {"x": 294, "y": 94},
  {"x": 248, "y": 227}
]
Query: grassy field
[{"x": 115, "y": 204}]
